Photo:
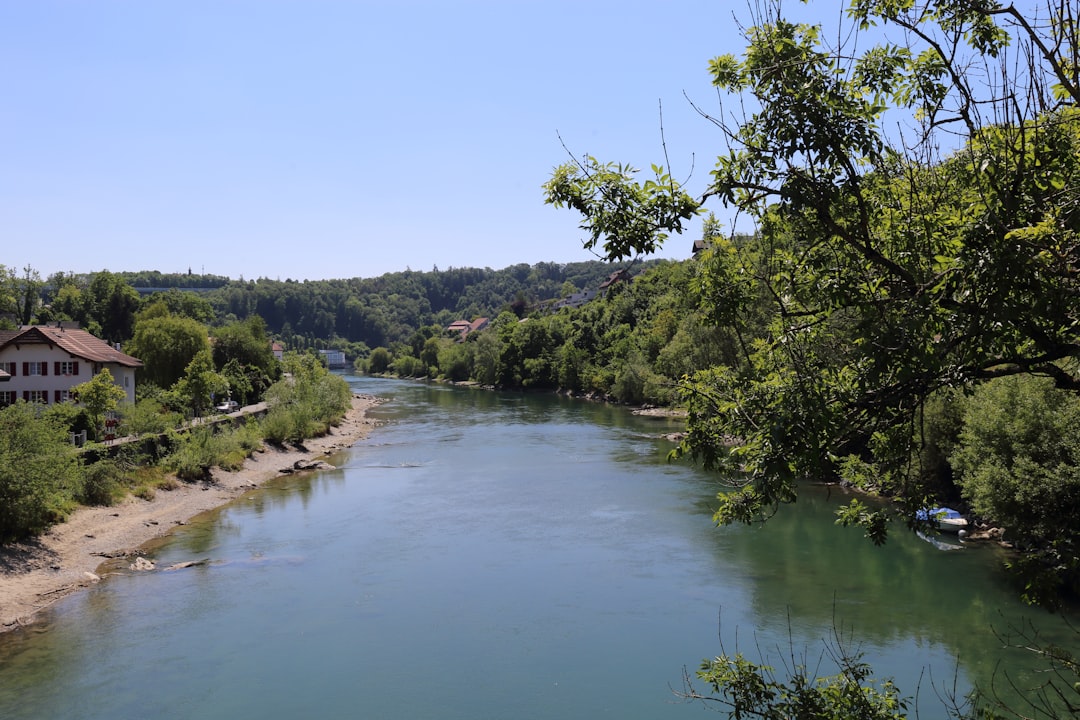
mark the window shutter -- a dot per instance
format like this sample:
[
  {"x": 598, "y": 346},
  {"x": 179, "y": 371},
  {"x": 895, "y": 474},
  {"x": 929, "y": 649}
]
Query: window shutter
[
  {"x": 56, "y": 396},
  {"x": 75, "y": 368},
  {"x": 26, "y": 395},
  {"x": 26, "y": 369},
  {"x": 56, "y": 367},
  {"x": 44, "y": 369}
]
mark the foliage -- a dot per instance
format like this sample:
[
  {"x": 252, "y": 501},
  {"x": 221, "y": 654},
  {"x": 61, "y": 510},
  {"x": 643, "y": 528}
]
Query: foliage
[
  {"x": 109, "y": 307},
  {"x": 20, "y": 295},
  {"x": 890, "y": 271},
  {"x": 197, "y": 452},
  {"x": 39, "y": 471},
  {"x": 745, "y": 689},
  {"x": 627, "y": 217},
  {"x": 245, "y": 349},
  {"x": 102, "y": 484},
  {"x": 306, "y": 402},
  {"x": 184, "y": 304},
  {"x": 167, "y": 344},
  {"x": 147, "y": 417},
  {"x": 379, "y": 361},
  {"x": 389, "y": 309},
  {"x": 1018, "y": 463},
  {"x": 201, "y": 384},
  {"x": 100, "y": 395}
]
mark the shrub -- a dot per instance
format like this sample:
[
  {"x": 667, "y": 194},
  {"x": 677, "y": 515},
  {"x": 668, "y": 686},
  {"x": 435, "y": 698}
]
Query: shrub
[
  {"x": 102, "y": 484},
  {"x": 39, "y": 471}
]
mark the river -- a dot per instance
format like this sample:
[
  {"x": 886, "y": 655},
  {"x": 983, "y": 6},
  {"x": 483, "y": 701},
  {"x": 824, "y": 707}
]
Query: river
[{"x": 496, "y": 555}]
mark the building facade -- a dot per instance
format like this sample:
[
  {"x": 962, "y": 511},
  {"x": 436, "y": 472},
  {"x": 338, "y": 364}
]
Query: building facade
[{"x": 45, "y": 362}]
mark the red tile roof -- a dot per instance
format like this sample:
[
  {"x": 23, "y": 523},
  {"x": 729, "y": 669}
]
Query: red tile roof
[{"x": 77, "y": 343}]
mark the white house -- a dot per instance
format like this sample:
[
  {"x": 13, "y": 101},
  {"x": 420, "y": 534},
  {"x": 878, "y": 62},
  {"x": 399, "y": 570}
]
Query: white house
[{"x": 45, "y": 362}]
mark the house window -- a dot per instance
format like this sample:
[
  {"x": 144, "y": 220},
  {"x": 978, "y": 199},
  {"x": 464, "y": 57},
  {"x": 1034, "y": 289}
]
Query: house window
[
  {"x": 64, "y": 396},
  {"x": 7, "y": 397},
  {"x": 67, "y": 367},
  {"x": 38, "y": 396},
  {"x": 35, "y": 368}
]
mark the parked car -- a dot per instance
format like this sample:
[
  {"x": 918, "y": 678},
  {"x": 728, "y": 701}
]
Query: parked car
[{"x": 228, "y": 406}]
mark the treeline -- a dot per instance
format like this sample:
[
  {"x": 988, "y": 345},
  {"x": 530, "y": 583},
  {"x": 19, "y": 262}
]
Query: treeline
[
  {"x": 632, "y": 344},
  {"x": 353, "y": 315},
  {"x": 362, "y": 313}
]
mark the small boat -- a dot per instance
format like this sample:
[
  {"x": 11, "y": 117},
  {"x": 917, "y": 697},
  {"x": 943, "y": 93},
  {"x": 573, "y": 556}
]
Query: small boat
[{"x": 944, "y": 519}]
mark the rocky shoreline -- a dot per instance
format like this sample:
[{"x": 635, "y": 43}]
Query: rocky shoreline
[{"x": 37, "y": 573}]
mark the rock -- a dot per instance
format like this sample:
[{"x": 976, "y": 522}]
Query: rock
[
  {"x": 141, "y": 564},
  {"x": 311, "y": 465},
  {"x": 187, "y": 564},
  {"x": 91, "y": 577}
]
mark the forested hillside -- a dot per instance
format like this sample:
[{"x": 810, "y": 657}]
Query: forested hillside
[{"x": 369, "y": 312}]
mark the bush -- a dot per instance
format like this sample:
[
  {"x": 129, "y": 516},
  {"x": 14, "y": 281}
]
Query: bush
[
  {"x": 102, "y": 484},
  {"x": 305, "y": 403},
  {"x": 277, "y": 426},
  {"x": 148, "y": 417},
  {"x": 1018, "y": 463},
  {"x": 39, "y": 471}
]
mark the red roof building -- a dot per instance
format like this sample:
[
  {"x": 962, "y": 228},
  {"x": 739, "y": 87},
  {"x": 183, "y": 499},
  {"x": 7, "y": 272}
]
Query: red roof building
[{"x": 44, "y": 362}]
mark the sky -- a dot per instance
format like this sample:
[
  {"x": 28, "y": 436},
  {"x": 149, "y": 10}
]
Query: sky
[{"x": 318, "y": 139}]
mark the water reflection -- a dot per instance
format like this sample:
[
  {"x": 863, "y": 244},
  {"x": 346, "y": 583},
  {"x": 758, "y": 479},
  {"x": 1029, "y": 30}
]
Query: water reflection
[{"x": 519, "y": 555}]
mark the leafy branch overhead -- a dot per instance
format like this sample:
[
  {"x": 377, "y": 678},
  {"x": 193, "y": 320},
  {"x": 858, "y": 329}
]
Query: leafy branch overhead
[
  {"x": 913, "y": 176},
  {"x": 627, "y": 217}
]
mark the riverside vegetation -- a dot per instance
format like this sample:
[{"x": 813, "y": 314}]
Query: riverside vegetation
[{"x": 43, "y": 477}]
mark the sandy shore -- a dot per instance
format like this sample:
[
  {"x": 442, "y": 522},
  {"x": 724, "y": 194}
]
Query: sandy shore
[{"x": 35, "y": 574}]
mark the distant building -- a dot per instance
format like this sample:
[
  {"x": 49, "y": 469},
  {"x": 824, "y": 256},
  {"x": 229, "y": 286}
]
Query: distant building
[
  {"x": 462, "y": 328},
  {"x": 335, "y": 359},
  {"x": 613, "y": 279},
  {"x": 576, "y": 300},
  {"x": 278, "y": 349},
  {"x": 458, "y": 327},
  {"x": 44, "y": 363}
]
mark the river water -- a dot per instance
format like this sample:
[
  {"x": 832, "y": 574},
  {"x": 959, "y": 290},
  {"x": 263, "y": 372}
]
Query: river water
[{"x": 490, "y": 555}]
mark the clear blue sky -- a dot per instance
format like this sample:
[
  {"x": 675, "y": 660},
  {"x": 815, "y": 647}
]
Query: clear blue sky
[{"x": 311, "y": 139}]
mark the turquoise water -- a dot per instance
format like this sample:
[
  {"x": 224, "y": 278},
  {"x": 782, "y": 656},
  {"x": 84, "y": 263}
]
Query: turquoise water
[{"x": 488, "y": 555}]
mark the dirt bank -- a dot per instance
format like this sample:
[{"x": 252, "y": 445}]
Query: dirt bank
[{"x": 35, "y": 574}]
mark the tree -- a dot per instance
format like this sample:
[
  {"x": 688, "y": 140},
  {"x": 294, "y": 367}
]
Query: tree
[
  {"x": 39, "y": 472},
  {"x": 1018, "y": 462},
  {"x": 99, "y": 395},
  {"x": 891, "y": 269},
  {"x": 915, "y": 194},
  {"x": 112, "y": 305},
  {"x": 245, "y": 343},
  {"x": 167, "y": 344},
  {"x": 20, "y": 296},
  {"x": 201, "y": 384},
  {"x": 379, "y": 361}
]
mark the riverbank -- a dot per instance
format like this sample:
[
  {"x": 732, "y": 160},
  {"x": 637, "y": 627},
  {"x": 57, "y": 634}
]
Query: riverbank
[{"x": 37, "y": 573}]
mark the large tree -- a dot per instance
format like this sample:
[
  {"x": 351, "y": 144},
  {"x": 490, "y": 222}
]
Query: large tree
[
  {"x": 914, "y": 183},
  {"x": 915, "y": 194},
  {"x": 166, "y": 344}
]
